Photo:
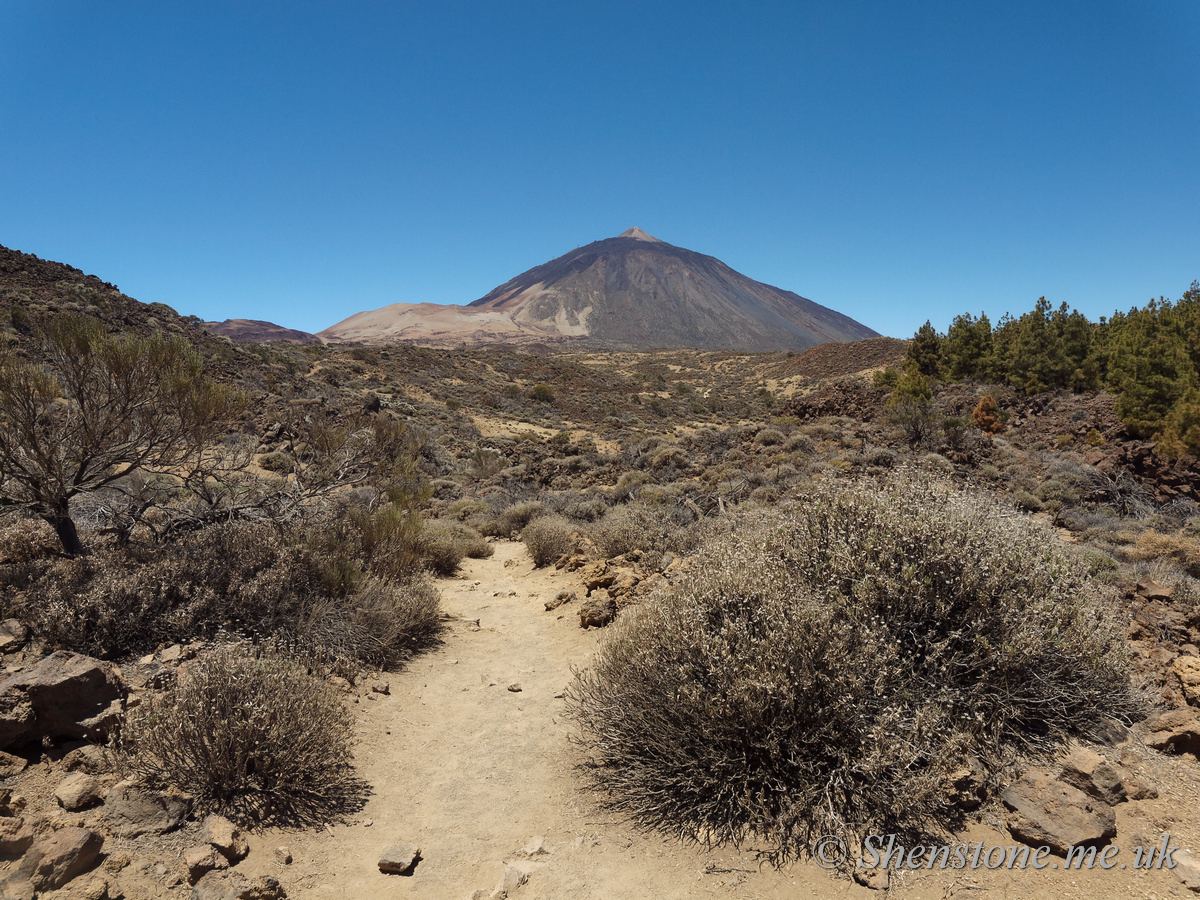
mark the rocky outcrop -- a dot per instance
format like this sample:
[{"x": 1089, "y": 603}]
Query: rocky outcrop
[
  {"x": 66, "y": 695},
  {"x": 1175, "y": 731}
]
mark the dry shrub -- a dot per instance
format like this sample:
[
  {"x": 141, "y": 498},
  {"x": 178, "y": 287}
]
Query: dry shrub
[
  {"x": 26, "y": 540},
  {"x": 446, "y": 544},
  {"x": 586, "y": 510},
  {"x": 826, "y": 667},
  {"x": 382, "y": 623},
  {"x": 547, "y": 538},
  {"x": 27, "y": 547},
  {"x": 1181, "y": 548},
  {"x": 514, "y": 518},
  {"x": 769, "y": 437},
  {"x": 987, "y": 416},
  {"x": 799, "y": 442},
  {"x": 638, "y": 527},
  {"x": 252, "y": 737},
  {"x": 671, "y": 457},
  {"x": 390, "y": 540}
]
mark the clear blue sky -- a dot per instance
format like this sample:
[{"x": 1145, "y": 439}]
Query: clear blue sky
[{"x": 299, "y": 162}]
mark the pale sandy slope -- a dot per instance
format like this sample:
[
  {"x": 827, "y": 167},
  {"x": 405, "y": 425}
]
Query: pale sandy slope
[{"x": 471, "y": 772}]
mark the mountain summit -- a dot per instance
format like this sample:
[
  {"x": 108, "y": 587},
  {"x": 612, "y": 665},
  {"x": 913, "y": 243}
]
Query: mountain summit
[{"x": 633, "y": 291}]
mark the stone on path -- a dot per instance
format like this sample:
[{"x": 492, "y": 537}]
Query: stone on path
[
  {"x": 78, "y": 791},
  {"x": 225, "y": 837},
  {"x": 230, "y": 885},
  {"x": 1177, "y": 730},
  {"x": 132, "y": 810},
  {"x": 559, "y": 599},
  {"x": 400, "y": 859},
  {"x": 57, "y": 858},
  {"x": 512, "y": 879}
]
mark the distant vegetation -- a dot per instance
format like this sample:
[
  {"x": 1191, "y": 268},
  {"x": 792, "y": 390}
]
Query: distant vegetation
[{"x": 1148, "y": 357}]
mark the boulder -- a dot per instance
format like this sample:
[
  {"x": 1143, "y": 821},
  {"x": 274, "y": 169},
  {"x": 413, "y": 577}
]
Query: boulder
[
  {"x": 598, "y": 575},
  {"x": 201, "y": 859},
  {"x": 57, "y": 858},
  {"x": 132, "y": 810},
  {"x": 11, "y": 804},
  {"x": 66, "y": 695},
  {"x": 11, "y": 765},
  {"x": 1047, "y": 811},
  {"x": 559, "y": 599},
  {"x": 514, "y": 876},
  {"x": 1187, "y": 670},
  {"x": 16, "y": 836},
  {"x": 623, "y": 582},
  {"x": 89, "y": 887},
  {"x": 90, "y": 759},
  {"x": 1152, "y": 590},
  {"x": 225, "y": 837},
  {"x": 13, "y": 635},
  {"x": 1187, "y": 870}
]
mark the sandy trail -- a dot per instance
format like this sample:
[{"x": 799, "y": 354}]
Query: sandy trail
[{"x": 470, "y": 772}]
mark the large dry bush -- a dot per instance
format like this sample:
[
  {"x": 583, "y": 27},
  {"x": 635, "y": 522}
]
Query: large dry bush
[
  {"x": 827, "y": 666},
  {"x": 382, "y": 622},
  {"x": 248, "y": 736}
]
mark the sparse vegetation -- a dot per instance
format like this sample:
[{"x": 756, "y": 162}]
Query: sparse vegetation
[{"x": 789, "y": 676}]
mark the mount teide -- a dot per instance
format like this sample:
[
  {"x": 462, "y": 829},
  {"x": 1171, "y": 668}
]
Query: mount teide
[{"x": 628, "y": 292}]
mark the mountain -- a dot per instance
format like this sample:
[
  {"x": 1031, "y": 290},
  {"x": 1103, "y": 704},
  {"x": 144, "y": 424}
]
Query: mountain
[
  {"x": 633, "y": 291},
  {"x": 256, "y": 331}
]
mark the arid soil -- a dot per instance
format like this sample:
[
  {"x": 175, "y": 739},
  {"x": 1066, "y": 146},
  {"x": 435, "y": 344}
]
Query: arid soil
[{"x": 475, "y": 774}]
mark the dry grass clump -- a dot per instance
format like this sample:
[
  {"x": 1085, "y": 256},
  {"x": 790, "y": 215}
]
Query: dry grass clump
[
  {"x": 827, "y": 667},
  {"x": 547, "y": 538},
  {"x": 252, "y": 737},
  {"x": 446, "y": 544}
]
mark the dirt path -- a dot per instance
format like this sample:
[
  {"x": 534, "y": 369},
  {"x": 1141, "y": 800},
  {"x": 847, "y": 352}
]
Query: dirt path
[{"x": 472, "y": 772}]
